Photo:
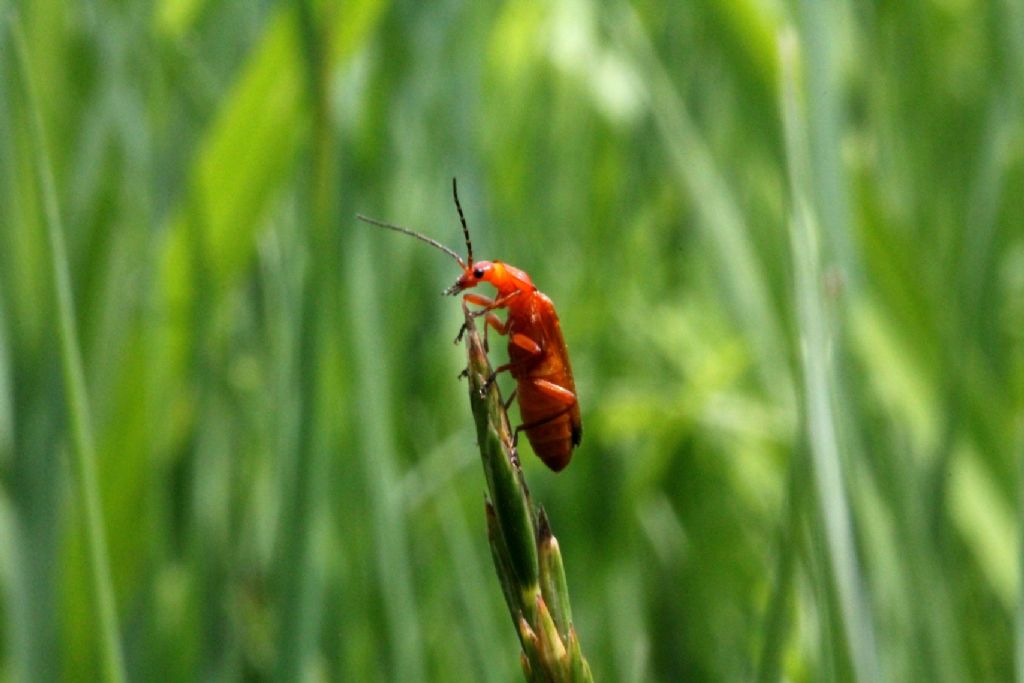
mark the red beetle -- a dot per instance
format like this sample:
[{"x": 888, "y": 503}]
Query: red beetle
[{"x": 538, "y": 357}]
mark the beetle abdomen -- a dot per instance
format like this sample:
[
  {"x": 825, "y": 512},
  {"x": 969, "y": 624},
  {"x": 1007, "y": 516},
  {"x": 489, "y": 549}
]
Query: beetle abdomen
[
  {"x": 552, "y": 442},
  {"x": 552, "y": 426}
]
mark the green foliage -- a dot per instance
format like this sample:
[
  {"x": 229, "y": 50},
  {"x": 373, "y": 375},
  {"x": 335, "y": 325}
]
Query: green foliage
[{"x": 785, "y": 242}]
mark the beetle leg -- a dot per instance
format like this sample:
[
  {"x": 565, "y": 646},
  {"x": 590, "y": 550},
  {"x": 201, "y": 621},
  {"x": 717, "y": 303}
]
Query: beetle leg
[
  {"x": 480, "y": 300},
  {"x": 494, "y": 375},
  {"x": 552, "y": 390},
  {"x": 490, "y": 321},
  {"x": 523, "y": 342},
  {"x": 489, "y": 305},
  {"x": 537, "y": 423},
  {"x": 511, "y": 398},
  {"x": 462, "y": 332},
  {"x": 559, "y": 393},
  {"x": 526, "y": 344},
  {"x": 494, "y": 321}
]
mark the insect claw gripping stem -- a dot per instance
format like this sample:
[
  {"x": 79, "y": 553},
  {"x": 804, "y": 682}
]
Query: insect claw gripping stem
[
  {"x": 468, "y": 315},
  {"x": 515, "y": 457},
  {"x": 487, "y": 384},
  {"x": 471, "y": 315}
]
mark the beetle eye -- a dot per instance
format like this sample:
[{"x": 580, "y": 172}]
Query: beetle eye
[{"x": 478, "y": 273}]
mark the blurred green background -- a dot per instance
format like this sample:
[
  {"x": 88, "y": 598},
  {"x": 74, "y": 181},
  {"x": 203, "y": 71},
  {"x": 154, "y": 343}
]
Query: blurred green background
[{"x": 785, "y": 242}]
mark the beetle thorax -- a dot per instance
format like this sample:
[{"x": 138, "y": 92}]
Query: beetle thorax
[{"x": 507, "y": 279}]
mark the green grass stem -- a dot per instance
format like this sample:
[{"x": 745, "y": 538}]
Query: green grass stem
[
  {"x": 83, "y": 445},
  {"x": 526, "y": 554}
]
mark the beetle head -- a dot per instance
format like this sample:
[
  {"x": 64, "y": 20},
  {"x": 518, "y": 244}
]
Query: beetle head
[{"x": 475, "y": 273}]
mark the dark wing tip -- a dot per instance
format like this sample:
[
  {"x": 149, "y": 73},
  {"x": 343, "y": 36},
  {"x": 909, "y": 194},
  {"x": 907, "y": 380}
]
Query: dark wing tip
[{"x": 577, "y": 434}]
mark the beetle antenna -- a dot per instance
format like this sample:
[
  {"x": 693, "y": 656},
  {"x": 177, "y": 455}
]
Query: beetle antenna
[
  {"x": 465, "y": 230},
  {"x": 417, "y": 235}
]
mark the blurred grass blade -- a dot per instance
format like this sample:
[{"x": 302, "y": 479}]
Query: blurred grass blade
[
  {"x": 304, "y": 501},
  {"x": 778, "y": 616},
  {"x": 1019, "y": 626},
  {"x": 473, "y": 585},
  {"x": 823, "y": 124},
  {"x": 83, "y": 446},
  {"x": 721, "y": 219},
  {"x": 394, "y": 566},
  {"x": 819, "y": 381},
  {"x": 247, "y": 152}
]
